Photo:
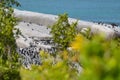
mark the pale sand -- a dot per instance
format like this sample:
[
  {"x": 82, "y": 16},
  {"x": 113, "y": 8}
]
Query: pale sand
[{"x": 35, "y": 24}]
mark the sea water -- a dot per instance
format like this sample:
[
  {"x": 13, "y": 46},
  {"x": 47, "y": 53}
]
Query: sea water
[{"x": 89, "y": 10}]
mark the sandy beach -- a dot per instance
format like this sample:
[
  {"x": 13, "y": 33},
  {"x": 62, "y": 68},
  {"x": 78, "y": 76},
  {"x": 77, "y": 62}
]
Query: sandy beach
[{"x": 33, "y": 24}]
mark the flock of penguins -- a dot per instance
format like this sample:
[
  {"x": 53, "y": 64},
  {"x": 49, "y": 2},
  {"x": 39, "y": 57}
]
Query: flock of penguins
[{"x": 30, "y": 55}]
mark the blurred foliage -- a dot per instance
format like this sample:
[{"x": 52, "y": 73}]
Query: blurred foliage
[
  {"x": 53, "y": 68},
  {"x": 8, "y": 55},
  {"x": 99, "y": 58},
  {"x": 63, "y": 32}
]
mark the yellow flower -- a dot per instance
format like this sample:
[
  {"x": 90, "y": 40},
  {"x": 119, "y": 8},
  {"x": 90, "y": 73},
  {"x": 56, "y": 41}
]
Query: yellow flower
[{"x": 77, "y": 44}]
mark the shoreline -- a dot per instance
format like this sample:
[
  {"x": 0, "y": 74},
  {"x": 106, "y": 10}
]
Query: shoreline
[
  {"x": 48, "y": 20},
  {"x": 33, "y": 24}
]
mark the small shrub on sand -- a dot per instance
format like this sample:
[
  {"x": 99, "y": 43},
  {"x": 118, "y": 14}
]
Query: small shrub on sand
[{"x": 63, "y": 32}]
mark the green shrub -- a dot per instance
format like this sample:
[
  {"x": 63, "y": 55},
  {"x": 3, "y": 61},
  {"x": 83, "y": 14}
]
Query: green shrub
[
  {"x": 8, "y": 55},
  {"x": 63, "y": 32},
  {"x": 9, "y": 74}
]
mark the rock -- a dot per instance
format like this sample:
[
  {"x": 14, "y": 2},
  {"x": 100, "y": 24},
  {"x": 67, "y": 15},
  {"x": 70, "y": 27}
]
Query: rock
[
  {"x": 76, "y": 66},
  {"x": 28, "y": 56}
]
